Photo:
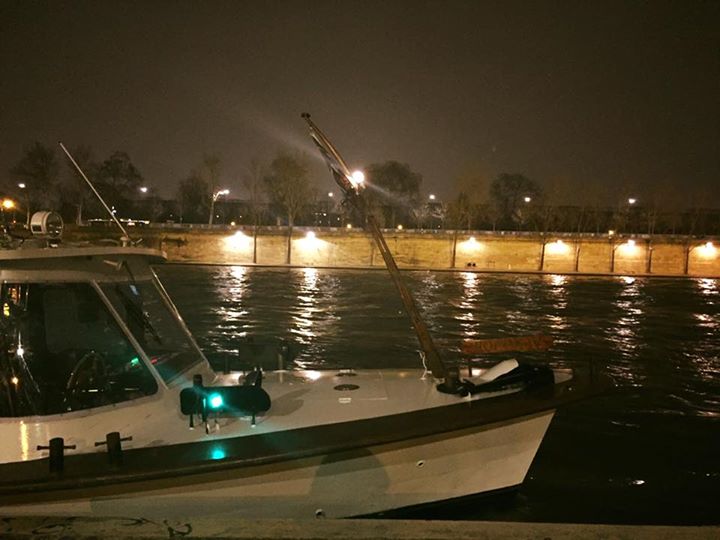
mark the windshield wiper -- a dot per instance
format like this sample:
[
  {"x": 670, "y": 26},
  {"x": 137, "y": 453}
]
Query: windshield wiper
[{"x": 136, "y": 312}]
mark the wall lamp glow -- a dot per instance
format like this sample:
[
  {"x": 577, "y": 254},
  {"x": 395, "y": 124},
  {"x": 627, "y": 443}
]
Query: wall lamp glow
[{"x": 238, "y": 242}]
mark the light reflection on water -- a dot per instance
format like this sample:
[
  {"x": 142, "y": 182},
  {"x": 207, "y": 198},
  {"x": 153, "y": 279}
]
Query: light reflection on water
[
  {"x": 628, "y": 304},
  {"x": 231, "y": 287},
  {"x": 525, "y": 305},
  {"x": 306, "y": 310},
  {"x": 555, "y": 316},
  {"x": 469, "y": 305},
  {"x": 708, "y": 286}
]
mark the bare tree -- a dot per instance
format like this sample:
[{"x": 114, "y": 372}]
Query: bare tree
[
  {"x": 75, "y": 192},
  {"x": 37, "y": 174},
  {"x": 253, "y": 182},
  {"x": 547, "y": 212},
  {"x": 697, "y": 203},
  {"x": 193, "y": 198},
  {"x": 210, "y": 173},
  {"x": 288, "y": 188},
  {"x": 398, "y": 188},
  {"x": 511, "y": 194},
  {"x": 420, "y": 213},
  {"x": 460, "y": 212}
]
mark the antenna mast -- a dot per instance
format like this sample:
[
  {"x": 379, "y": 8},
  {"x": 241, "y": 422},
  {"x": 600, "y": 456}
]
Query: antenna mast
[{"x": 126, "y": 237}]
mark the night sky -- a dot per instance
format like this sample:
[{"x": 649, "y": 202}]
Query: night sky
[{"x": 600, "y": 96}]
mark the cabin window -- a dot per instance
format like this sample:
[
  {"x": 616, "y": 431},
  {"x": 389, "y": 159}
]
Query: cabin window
[
  {"x": 154, "y": 326},
  {"x": 61, "y": 350}
]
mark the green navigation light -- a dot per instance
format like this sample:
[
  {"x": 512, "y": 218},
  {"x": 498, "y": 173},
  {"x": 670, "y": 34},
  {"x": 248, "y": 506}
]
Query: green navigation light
[{"x": 215, "y": 401}]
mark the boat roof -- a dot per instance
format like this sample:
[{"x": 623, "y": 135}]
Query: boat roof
[{"x": 24, "y": 254}]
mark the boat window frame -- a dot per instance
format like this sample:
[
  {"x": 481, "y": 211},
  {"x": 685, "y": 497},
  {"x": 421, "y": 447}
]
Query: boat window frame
[
  {"x": 129, "y": 335},
  {"x": 202, "y": 361}
]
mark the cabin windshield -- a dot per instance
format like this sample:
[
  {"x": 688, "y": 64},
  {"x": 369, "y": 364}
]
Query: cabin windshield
[
  {"x": 157, "y": 329},
  {"x": 62, "y": 350}
]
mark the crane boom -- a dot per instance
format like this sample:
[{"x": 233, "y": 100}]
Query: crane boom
[{"x": 343, "y": 177}]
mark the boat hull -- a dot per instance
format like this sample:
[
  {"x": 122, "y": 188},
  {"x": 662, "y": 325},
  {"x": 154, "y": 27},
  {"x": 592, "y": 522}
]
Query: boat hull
[{"x": 355, "y": 482}]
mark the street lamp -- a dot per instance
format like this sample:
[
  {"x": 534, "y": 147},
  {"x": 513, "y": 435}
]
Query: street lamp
[
  {"x": 527, "y": 199},
  {"x": 630, "y": 214},
  {"x": 23, "y": 186},
  {"x": 431, "y": 196},
  {"x": 7, "y": 204},
  {"x": 330, "y": 206},
  {"x": 143, "y": 189},
  {"x": 212, "y": 203}
]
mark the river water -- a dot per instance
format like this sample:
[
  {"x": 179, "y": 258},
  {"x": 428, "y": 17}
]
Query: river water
[{"x": 648, "y": 452}]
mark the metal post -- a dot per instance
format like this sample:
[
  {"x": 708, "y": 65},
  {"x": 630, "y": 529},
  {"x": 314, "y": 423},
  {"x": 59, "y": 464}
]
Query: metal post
[{"x": 57, "y": 454}]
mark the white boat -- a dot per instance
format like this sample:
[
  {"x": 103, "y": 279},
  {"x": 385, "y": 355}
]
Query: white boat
[
  {"x": 93, "y": 346},
  {"x": 109, "y": 408}
]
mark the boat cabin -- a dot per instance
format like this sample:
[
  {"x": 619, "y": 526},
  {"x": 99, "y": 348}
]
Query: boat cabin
[{"x": 86, "y": 327}]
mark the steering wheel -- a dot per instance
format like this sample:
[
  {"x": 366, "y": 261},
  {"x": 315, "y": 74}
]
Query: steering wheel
[{"x": 89, "y": 373}]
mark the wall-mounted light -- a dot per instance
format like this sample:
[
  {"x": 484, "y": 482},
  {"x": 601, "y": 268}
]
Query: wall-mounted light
[
  {"x": 238, "y": 242},
  {"x": 629, "y": 248},
  {"x": 310, "y": 243},
  {"x": 471, "y": 244},
  {"x": 707, "y": 250},
  {"x": 558, "y": 247}
]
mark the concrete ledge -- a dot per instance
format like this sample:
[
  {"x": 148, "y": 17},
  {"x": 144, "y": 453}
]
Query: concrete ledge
[{"x": 227, "y": 527}]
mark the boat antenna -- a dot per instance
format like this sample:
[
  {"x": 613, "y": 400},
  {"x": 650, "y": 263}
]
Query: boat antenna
[
  {"x": 125, "y": 239},
  {"x": 351, "y": 189}
]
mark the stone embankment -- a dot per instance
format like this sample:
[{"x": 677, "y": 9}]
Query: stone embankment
[{"x": 480, "y": 251}]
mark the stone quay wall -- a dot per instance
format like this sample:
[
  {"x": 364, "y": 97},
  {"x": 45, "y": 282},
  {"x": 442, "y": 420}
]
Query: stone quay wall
[{"x": 480, "y": 251}]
